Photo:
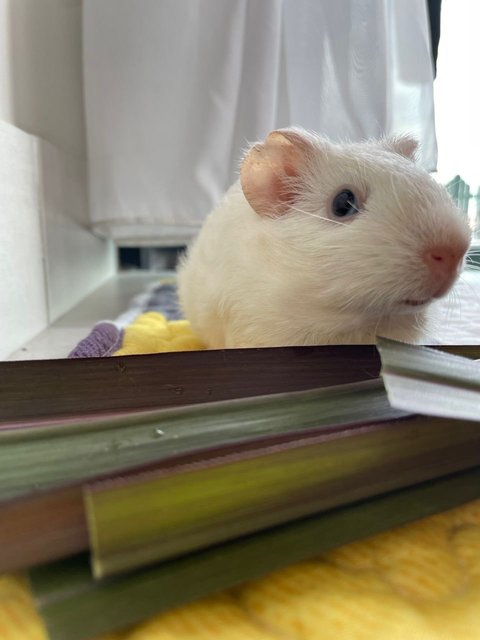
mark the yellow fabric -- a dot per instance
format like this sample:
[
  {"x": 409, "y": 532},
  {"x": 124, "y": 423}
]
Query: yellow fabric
[
  {"x": 416, "y": 582},
  {"x": 151, "y": 333}
]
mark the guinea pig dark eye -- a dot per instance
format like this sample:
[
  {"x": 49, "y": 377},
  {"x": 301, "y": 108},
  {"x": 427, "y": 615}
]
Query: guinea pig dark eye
[{"x": 345, "y": 204}]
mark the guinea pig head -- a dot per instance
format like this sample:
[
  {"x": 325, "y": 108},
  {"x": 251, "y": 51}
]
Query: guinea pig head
[{"x": 361, "y": 225}]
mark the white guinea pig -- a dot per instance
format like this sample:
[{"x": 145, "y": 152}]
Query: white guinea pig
[{"x": 320, "y": 243}]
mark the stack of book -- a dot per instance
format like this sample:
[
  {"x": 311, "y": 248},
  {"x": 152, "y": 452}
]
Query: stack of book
[{"x": 131, "y": 485}]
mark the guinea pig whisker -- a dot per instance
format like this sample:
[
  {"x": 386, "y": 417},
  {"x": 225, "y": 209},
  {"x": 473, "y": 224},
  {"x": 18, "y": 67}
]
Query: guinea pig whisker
[
  {"x": 352, "y": 204},
  {"x": 469, "y": 285},
  {"x": 472, "y": 266},
  {"x": 314, "y": 215},
  {"x": 451, "y": 304}
]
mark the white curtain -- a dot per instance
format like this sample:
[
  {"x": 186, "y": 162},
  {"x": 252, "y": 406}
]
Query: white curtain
[{"x": 176, "y": 89}]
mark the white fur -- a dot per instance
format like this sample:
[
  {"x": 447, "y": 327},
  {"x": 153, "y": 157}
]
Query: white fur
[{"x": 251, "y": 280}]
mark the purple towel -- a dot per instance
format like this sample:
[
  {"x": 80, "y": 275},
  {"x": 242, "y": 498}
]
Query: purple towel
[
  {"x": 107, "y": 337},
  {"x": 104, "y": 339}
]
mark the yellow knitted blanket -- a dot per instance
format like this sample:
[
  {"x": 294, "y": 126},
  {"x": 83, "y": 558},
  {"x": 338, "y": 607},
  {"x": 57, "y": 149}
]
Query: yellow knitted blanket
[{"x": 417, "y": 582}]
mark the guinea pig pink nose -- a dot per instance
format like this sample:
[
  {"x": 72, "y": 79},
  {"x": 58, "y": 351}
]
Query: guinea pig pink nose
[{"x": 443, "y": 263}]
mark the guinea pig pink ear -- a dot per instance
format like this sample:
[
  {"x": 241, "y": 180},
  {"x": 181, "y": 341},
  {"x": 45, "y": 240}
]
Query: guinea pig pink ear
[
  {"x": 405, "y": 145},
  {"x": 271, "y": 170}
]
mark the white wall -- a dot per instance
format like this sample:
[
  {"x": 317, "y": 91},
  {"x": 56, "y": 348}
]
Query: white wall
[
  {"x": 23, "y": 299},
  {"x": 48, "y": 258}
]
